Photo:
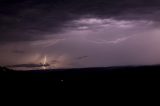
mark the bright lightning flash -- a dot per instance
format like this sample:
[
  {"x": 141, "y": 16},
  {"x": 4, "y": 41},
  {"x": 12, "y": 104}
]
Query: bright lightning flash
[{"x": 44, "y": 62}]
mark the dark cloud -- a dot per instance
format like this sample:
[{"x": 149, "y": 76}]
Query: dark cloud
[
  {"x": 55, "y": 61},
  {"x": 19, "y": 52},
  {"x": 28, "y": 65},
  {"x": 22, "y": 20},
  {"x": 82, "y": 57}
]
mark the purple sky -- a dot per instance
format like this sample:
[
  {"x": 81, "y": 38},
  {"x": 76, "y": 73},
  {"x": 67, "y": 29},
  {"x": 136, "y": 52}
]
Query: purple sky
[{"x": 80, "y": 38}]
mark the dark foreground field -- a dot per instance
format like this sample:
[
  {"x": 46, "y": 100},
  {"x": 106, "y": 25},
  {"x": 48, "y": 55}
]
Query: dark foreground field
[
  {"x": 112, "y": 82},
  {"x": 115, "y": 79},
  {"x": 85, "y": 74}
]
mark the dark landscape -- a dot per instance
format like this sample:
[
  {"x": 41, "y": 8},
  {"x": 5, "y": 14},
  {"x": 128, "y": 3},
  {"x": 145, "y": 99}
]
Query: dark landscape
[
  {"x": 101, "y": 74},
  {"x": 52, "y": 42}
]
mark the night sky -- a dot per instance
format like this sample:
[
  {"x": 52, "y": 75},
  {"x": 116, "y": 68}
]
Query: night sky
[{"x": 79, "y": 33}]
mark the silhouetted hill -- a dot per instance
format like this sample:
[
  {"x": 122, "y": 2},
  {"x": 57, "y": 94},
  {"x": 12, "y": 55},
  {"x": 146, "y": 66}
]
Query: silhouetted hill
[
  {"x": 104, "y": 77},
  {"x": 4, "y": 69},
  {"x": 108, "y": 73}
]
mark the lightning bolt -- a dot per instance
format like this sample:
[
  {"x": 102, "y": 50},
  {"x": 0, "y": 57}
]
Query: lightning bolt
[{"x": 44, "y": 62}]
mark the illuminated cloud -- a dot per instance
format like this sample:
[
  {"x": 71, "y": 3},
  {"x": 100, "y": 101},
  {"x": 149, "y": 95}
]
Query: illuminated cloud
[
  {"x": 108, "y": 31},
  {"x": 100, "y": 23},
  {"x": 118, "y": 40}
]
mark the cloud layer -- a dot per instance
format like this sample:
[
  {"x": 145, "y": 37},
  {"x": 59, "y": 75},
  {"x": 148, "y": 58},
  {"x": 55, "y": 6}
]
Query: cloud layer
[
  {"x": 79, "y": 33},
  {"x": 34, "y": 20}
]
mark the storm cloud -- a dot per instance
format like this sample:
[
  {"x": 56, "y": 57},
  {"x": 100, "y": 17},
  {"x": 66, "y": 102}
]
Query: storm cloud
[
  {"x": 79, "y": 33},
  {"x": 34, "y": 20}
]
